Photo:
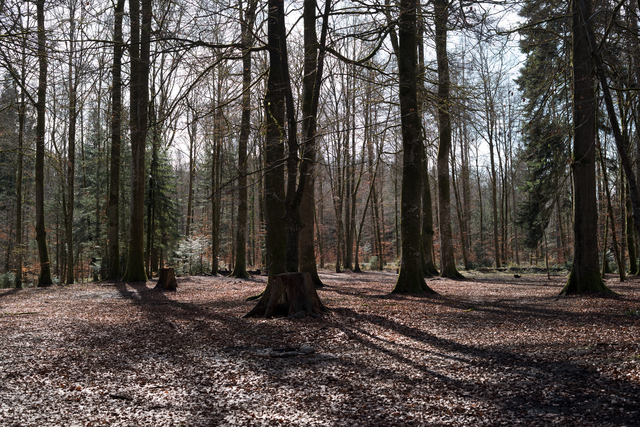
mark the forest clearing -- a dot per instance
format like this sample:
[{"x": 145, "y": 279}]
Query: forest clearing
[{"x": 489, "y": 350}]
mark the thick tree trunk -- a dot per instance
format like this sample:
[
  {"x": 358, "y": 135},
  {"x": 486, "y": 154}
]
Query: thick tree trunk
[
  {"x": 41, "y": 232},
  {"x": 289, "y": 294},
  {"x": 447, "y": 260},
  {"x": 633, "y": 10},
  {"x": 274, "y": 102},
  {"x": 166, "y": 280},
  {"x": 116, "y": 120},
  {"x": 307, "y": 257},
  {"x": 584, "y": 276},
  {"x": 140, "y": 49},
  {"x": 582, "y": 9},
  {"x": 410, "y": 278}
]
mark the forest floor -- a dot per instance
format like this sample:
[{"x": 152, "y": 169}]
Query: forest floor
[{"x": 490, "y": 350}]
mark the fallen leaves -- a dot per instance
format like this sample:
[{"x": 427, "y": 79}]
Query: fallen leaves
[{"x": 483, "y": 352}]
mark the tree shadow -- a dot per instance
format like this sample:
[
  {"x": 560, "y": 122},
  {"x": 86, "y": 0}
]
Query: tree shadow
[{"x": 518, "y": 385}]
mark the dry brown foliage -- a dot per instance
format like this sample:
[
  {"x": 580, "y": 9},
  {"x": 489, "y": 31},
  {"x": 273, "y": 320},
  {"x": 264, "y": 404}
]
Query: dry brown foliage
[{"x": 492, "y": 350}]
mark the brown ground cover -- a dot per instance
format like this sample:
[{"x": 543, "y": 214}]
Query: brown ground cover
[{"x": 492, "y": 350}]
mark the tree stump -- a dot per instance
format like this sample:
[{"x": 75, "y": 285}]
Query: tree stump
[
  {"x": 167, "y": 280},
  {"x": 290, "y": 294}
]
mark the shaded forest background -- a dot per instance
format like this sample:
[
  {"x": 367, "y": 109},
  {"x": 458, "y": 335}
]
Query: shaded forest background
[{"x": 510, "y": 161}]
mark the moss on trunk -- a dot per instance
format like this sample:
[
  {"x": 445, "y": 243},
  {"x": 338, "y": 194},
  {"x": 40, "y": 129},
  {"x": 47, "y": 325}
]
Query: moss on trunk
[
  {"x": 411, "y": 281},
  {"x": 591, "y": 282}
]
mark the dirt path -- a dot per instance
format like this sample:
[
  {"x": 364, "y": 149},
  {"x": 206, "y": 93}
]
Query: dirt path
[{"x": 492, "y": 350}]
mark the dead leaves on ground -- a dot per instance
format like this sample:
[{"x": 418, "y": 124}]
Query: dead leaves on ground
[{"x": 488, "y": 351}]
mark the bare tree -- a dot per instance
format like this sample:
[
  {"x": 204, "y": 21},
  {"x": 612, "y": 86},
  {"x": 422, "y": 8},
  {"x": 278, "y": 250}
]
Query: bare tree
[
  {"x": 139, "y": 50},
  {"x": 447, "y": 260},
  {"x": 116, "y": 141},
  {"x": 247, "y": 23},
  {"x": 41, "y": 232},
  {"x": 410, "y": 278}
]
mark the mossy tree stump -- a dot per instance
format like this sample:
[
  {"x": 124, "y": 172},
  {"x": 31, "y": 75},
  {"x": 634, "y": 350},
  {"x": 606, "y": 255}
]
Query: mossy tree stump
[
  {"x": 167, "y": 280},
  {"x": 290, "y": 294}
]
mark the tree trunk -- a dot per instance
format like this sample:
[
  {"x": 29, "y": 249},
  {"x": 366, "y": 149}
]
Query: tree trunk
[
  {"x": 307, "y": 256},
  {"x": 633, "y": 10},
  {"x": 22, "y": 112},
  {"x": 274, "y": 102},
  {"x": 631, "y": 241},
  {"x": 153, "y": 176},
  {"x": 610, "y": 217},
  {"x": 41, "y": 233},
  {"x": 166, "y": 280},
  {"x": 289, "y": 294},
  {"x": 480, "y": 253},
  {"x": 459, "y": 214},
  {"x": 139, "y": 48},
  {"x": 605, "y": 263},
  {"x": 247, "y": 21},
  {"x": 582, "y": 9},
  {"x": 447, "y": 260},
  {"x": 410, "y": 278},
  {"x": 116, "y": 119},
  {"x": 71, "y": 147},
  {"x": 216, "y": 176},
  {"x": 428, "y": 265},
  {"x": 192, "y": 130},
  {"x": 584, "y": 276},
  {"x": 494, "y": 202}
]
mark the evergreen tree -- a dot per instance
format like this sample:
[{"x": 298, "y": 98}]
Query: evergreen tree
[
  {"x": 166, "y": 207},
  {"x": 545, "y": 84}
]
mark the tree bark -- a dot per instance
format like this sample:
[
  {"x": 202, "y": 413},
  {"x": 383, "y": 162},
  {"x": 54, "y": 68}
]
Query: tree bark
[
  {"x": 447, "y": 260},
  {"x": 631, "y": 241},
  {"x": 276, "y": 240},
  {"x": 583, "y": 9},
  {"x": 116, "y": 120},
  {"x": 71, "y": 148},
  {"x": 192, "y": 130},
  {"x": 610, "y": 217},
  {"x": 410, "y": 278},
  {"x": 428, "y": 265},
  {"x": 494, "y": 189},
  {"x": 289, "y": 294},
  {"x": 140, "y": 49},
  {"x": 153, "y": 176},
  {"x": 41, "y": 232},
  {"x": 307, "y": 257},
  {"x": 247, "y": 21},
  {"x": 216, "y": 165},
  {"x": 167, "y": 280},
  {"x": 22, "y": 113},
  {"x": 584, "y": 275}
]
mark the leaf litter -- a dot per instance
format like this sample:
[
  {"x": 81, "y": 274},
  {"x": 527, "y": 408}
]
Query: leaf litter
[{"x": 486, "y": 351}]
